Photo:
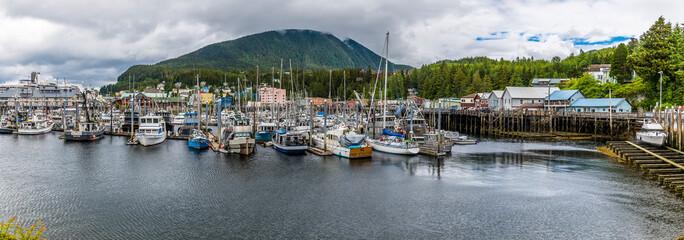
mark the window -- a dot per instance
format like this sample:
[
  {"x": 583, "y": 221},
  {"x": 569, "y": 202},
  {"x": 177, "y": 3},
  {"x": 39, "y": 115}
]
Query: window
[{"x": 521, "y": 101}]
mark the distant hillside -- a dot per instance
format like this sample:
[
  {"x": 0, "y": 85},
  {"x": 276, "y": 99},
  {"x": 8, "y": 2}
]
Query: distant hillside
[{"x": 307, "y": 49}]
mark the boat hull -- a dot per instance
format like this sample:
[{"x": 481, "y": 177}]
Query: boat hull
[
  {"x": 243, "y": 146},
  {"x": 150, "y": 140},
  {"x": 299, "y": 149},
  {"x": 381, "y": 147},
  {"x": 198, "y": 143},
  {"x": 655, "y": 140},
  {"x": 263, "y": 136},
  {"x": 6, "y": 130},
  {"x": 39, "y": 131},
  {"x": 70, "y": 135}
]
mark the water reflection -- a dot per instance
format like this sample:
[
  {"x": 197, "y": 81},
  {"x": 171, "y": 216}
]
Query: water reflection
[{"x": 495, "y": 189}]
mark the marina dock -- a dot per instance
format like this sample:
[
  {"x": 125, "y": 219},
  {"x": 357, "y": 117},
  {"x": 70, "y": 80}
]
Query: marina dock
[{"x": 665, "y": 164}]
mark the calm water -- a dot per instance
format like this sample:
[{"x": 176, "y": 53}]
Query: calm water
[{"x": 496, "y": 189}]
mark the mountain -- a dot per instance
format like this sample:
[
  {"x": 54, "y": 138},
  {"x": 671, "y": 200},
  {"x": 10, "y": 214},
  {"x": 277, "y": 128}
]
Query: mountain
[
  {"x": 308, "y": 49},
  {"x": 231, "y": 60}
]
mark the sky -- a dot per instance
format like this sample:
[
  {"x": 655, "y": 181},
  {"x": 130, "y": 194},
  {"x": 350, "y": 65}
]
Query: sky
[{"x": 93, "y": 42}]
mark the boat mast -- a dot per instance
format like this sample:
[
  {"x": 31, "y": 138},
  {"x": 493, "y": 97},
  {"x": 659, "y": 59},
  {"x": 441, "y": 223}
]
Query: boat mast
[
  {"x": 384, "y": 110},
  {"x": 199, "y": 105},
  {"x": 344, "y": 97}
]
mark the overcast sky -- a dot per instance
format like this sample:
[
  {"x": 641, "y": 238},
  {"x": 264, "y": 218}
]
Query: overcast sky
[{"x": 95, "y": 41}]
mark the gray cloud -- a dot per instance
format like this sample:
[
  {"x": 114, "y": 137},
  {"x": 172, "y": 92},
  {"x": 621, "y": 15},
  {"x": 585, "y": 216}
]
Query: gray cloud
[{"x": 96, "y": 41}]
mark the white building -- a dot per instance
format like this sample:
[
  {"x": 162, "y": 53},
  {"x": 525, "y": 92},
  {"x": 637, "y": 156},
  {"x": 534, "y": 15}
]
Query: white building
[
  {"x": 601, "y": 72},
  {"x": 494, "y": 100},
  {"x": 525, "y": 97}
]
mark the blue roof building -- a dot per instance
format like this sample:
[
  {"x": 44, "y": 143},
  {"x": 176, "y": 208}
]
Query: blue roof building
[
  {"x": 560, "y": 100},
  {"x": 618, "y": 105}
]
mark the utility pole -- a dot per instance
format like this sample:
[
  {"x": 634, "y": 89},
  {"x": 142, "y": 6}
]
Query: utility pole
[
  {"x": 610, "y": 111},
  {"x": 660, "y": 103}
]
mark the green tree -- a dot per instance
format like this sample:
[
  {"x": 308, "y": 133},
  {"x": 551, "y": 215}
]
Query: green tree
[
  {"x": 677, "y": 48},
  {"x": 618, "y": 65},
  {"x": 652, "y": 56}
]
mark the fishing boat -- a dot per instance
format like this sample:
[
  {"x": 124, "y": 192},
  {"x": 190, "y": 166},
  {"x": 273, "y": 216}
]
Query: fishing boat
[
  {"x": 349, "y": 145},
  {"x": 152, "y": 130},
  {"x": 7, "y": 125},
  {"x": 239, "y": 139},
  {"x": 651, "y": 133},
  {"x": 290, "y": 142},
  {"x": 393, "y": 143},
  {"x": 190, "y": 123},
  {"x": 198, "y": 140},
  {"x": 35, "y": 126},
  {"x": 111, "y": 123},
  {"x": 177, "y": 123},
  {"x": 87, "y": 131},
  {"x": 264, "y": 132}
]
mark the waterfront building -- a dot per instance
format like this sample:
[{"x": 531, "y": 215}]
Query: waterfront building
[
  {"x": 207, "y": 97},
  {"x": 562, "y": 99},
  {"x": 601, "y": 105},
  {"x": 317, "y": 101},
  {"x": 470, "y": 100},
  {"x": 494, "y": 100},
  {"x": 272, "y": 95},
  {"x": 33, "y": 92},
  {"x": 531, "y": 98},
  {"x": 451, "y": 103},
  {"x": 484, "y": 100}
]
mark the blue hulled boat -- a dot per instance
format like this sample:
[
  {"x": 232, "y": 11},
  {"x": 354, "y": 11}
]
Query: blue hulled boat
[
  {"x": 198, "y": 140},
  {"x": 264, "y": 132}
]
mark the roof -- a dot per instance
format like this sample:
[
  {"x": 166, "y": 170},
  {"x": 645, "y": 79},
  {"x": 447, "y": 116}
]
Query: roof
[
  {"x": 529, "y": 92},
  {"x": 596, "y": 67},
  {"x": 553, "y": 81},
  {"x": 484, "y": 95},
  {"x": 473, "y": 95},
  {"x": 151, "y": 95},
  {"x": 562, "y": 95},
  {"x": 152, "y": 90},
  {"x": 497, "y": 93},
  {"x": 597, "y": 102}
]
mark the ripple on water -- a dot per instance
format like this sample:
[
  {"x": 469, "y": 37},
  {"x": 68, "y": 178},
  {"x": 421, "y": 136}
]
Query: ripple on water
[{"x": 495, "y": 189}]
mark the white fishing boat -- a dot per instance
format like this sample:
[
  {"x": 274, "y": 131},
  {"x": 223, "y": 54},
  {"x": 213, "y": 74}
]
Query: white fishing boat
[
  {"x": 349, "y": 145},
  {"x": 239, "y": 139},
  {"x": 152, "y": 130},
  {"x": 35, "y": 126},
  {"x": 393, "y": 145},
  {"x": 390, "y": 142},
  {"x": 651, "y": 133}
]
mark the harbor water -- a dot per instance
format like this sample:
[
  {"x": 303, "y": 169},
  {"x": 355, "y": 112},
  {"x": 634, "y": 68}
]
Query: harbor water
[{"x": 496, "y": 189}]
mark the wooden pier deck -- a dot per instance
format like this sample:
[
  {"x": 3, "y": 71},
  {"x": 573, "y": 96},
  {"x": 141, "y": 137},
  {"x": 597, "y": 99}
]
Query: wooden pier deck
[
  {"x": 319, "y": 152},
  {"x": 213, "y": 140},
  {"x": 666, "y": 164}
]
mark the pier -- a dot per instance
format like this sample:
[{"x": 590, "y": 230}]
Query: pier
[
  {"x": 535, "y": 125},
  {"x": 665, "y": 164}
]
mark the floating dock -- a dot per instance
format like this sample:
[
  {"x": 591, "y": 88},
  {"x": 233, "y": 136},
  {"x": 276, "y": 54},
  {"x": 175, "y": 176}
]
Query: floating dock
[
  {"x": 319, "y": 152},
  {"x": 666, "y": 164}
]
